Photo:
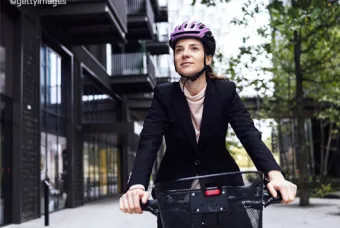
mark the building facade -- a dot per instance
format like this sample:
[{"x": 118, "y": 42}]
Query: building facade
[{"x": 76, "y": 81}]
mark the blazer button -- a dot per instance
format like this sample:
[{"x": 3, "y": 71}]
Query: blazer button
[{"x": 197, "y": 162}]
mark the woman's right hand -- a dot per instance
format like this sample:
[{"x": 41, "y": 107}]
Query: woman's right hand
[{"x": 130, "y": 201}]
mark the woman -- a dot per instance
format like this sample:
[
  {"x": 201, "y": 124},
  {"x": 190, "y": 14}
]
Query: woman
[{"x": 193, "y": 115}]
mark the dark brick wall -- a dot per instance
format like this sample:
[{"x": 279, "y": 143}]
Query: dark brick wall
[
  {"x": 30, "y": 118},
  {"x": 26, "y": 118}
]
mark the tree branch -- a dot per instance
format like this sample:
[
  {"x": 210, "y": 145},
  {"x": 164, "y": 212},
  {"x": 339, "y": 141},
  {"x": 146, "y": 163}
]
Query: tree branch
[
  {"x": 332, "y": 67},
  {"x": 321, "y": 26},
  {"x": 320, "y": 61},
  {"x": 336, "y": 78},
  {"x": 314, "y": 42}
]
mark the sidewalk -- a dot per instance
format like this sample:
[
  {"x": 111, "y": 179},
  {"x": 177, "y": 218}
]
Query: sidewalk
[{"x": 324, "y": 213}]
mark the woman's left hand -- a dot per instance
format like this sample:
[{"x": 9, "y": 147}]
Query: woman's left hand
[{"x": 278, "y": 183}]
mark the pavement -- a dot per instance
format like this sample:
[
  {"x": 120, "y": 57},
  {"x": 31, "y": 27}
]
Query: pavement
[{"x": 322, "y": 213}]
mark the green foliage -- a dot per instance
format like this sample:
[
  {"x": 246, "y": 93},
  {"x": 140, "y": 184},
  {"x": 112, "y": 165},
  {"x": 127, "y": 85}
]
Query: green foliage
[
  {"x": 317, "y": 26},
  {"x": 301, "y": 40},
  {"x": 323, "y": 190}
]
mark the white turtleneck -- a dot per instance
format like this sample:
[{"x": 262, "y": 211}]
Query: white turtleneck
[{"x": 196, "y": 107}]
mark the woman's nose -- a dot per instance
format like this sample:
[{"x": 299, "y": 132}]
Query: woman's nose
[{"x": 186, "y": 53}]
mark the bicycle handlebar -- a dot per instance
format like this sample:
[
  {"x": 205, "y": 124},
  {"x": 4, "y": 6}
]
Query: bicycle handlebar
[
  {"x": 268, "y": 199},
  {"x": 150, "y": 206}
]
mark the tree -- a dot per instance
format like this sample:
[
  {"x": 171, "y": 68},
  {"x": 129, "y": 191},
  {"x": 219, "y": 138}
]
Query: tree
[
  {"x": 329, "y": 116},
  {"x": 303, "y": 46}
]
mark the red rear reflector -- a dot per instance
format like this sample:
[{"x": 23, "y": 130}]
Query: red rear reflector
[{"x": 212, "y": 192}]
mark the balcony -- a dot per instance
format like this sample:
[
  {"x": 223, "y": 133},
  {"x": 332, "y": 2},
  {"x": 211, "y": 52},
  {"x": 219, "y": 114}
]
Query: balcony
[
  {"x": 139, "y": 103},
  {"x": 162, "y": 15},
  {"x": 163, "y": 75},
  {"x": 161, "y": 11},
  {"x": 132, "y": 73},
  {"x": 160, "y": 44},
  {"x": 140, "y": 20},
  {"x": 83, "y": 22}
]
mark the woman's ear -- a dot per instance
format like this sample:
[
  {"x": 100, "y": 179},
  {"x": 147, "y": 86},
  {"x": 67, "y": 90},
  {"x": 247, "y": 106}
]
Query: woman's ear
[{"x": 208, "y": 59}]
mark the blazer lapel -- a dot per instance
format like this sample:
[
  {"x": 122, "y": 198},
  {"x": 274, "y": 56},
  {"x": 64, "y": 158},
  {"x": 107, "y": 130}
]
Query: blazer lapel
[
  {"x": 208, "y": 112},
  {"x": 181, "y": 108}
]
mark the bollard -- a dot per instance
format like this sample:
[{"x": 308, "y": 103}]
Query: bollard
[{"x": 46, "y": 196}]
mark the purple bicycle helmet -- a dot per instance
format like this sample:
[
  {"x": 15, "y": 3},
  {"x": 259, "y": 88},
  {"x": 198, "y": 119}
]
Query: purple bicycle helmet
[{"x": 197, "y": 30}]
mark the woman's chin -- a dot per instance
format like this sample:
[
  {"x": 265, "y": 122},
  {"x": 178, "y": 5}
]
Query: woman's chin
[{"x": 187, "y": 72}]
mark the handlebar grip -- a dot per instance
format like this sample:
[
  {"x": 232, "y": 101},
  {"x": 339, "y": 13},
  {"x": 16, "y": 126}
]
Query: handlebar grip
[
  {"x": 269, "y": 199},
  {"x": 150, "y": 206}
]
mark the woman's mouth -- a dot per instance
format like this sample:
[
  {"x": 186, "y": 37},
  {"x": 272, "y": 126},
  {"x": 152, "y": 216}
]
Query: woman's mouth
[{"x": 186, "y": 64}]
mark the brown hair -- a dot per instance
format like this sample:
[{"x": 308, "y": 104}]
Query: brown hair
[{"x": 212, "y": 75}]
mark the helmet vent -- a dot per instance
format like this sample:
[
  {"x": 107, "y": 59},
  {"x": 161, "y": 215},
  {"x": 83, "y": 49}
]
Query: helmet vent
[
  {"x": 185, "y": 32},
  {"x": 196, "y": 30}
]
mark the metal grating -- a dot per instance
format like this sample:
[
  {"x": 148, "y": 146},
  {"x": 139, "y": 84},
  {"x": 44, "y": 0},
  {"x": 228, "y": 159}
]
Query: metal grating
[{"x": 78, "y": 169}]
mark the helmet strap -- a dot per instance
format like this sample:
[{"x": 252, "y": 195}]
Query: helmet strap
[{"x": 197, "y": 75}]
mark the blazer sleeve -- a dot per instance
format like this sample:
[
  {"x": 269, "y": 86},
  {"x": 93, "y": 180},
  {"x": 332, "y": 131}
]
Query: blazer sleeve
[
  {"x": 149, "y": 143},
  {"x": 250, "y": 137}
]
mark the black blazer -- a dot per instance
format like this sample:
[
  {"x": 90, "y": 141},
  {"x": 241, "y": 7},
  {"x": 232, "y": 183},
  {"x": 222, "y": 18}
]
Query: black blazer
[{"x": 169, "y": 115}]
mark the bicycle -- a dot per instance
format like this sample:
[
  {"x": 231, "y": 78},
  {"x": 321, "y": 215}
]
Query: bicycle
[{"x": 224, "y": 200}]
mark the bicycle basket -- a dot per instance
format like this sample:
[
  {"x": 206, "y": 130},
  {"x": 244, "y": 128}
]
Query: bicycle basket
[{"x": 226, "y": 200}]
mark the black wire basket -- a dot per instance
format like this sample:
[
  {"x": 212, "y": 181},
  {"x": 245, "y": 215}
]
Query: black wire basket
[{"x": 227, "y": 200}]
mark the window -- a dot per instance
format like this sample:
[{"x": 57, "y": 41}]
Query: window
[
  {"x": 53, "y": 129},
  {"x": 101, "y": 164}
]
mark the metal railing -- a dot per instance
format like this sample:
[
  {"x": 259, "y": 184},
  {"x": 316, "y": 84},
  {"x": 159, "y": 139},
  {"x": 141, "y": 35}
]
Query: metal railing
[
  {"x": 136, "y": 7},
  {"x": 132, "y": 64},
  {"x": 141, "y": 7}
]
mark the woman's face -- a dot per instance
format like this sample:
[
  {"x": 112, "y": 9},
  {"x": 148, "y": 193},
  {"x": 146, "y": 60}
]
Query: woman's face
[{"x": 189, "y": 56}]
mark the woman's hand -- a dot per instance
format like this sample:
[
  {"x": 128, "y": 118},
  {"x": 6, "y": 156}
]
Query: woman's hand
[
  {"x": 278, "y": 183},
  {"x": 130, "y": 201}
]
